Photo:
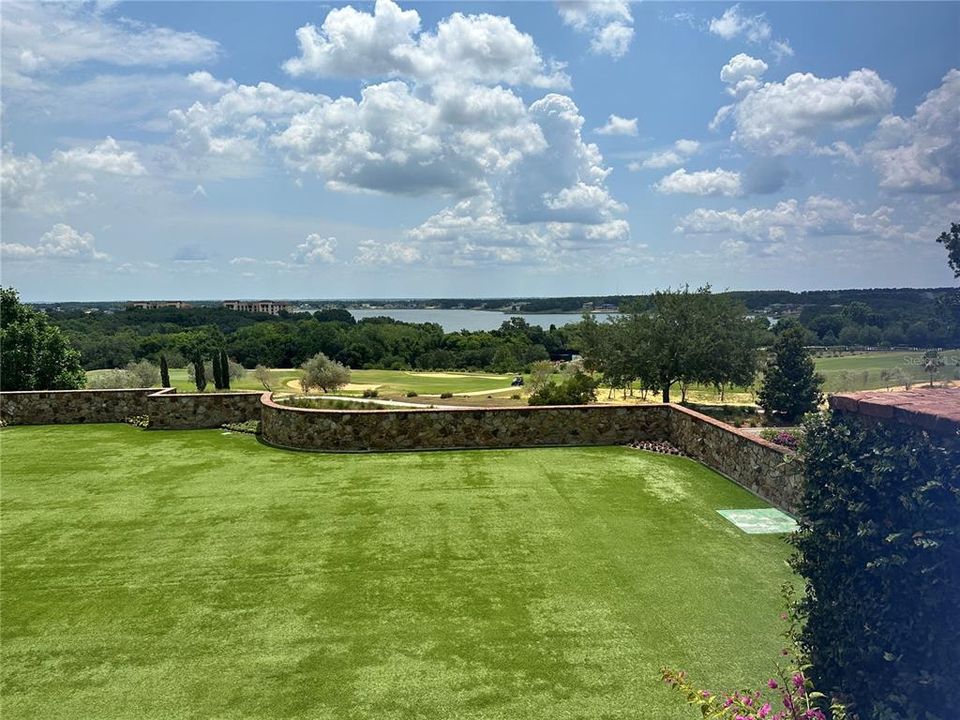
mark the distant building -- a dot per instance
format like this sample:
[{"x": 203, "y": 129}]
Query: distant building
[
  {"x": 270, "y": 307},
  {"x": 155, "y": 304}
]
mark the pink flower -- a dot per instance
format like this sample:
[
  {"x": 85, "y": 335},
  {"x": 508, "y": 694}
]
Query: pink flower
[
  {"x": 764, "y": 711},
  {"x": 798, "y": 680},
  {"x": 772, "y": 684},
  {"x": 705, "y": 693}
]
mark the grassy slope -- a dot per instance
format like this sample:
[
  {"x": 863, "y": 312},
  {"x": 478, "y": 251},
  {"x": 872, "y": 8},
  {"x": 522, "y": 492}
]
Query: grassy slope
[
  {"x": 398, "y": 382},
  {"x": 196, "y": 574},
  {"x": 875, "y": 362}
]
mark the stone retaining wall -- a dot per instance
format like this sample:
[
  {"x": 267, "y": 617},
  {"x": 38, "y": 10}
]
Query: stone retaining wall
[
  {"x": 184, "y": 411},
  {"x": 51, "y": 407},
  {"x": 751, "y": 462},
  {"x": 357, "y": 431},
  {"x": 762, "y": 467}
]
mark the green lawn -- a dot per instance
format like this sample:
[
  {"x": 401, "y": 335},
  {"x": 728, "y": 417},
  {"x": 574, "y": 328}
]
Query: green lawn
[
  {"x": 862, "y": 371},
  {"x": 201, "y": 574},
  {"x": 400, "y": 382}
]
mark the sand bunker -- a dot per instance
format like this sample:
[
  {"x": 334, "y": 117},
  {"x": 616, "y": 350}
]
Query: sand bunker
[
  {"x": 357, "y": 387},
  {"x": 454, "y": 376}
]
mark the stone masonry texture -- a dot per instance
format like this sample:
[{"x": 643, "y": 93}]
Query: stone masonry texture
[
  {"x": 52, "y": 407},
  {"x": 768, "y": 470}
]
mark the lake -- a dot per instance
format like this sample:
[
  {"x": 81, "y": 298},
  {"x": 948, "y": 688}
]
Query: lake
[{"x": 454, "y": 320}]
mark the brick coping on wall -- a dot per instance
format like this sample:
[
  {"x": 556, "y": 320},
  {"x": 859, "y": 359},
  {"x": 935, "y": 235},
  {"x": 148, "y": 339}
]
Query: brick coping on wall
[
  {"x": 731, "y": 429},
  {"x": 933, "y": 409},
  {"x": 84, "y": 390}
]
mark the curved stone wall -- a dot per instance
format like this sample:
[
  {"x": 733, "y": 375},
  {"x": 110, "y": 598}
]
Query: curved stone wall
[{"x": 415, "y": 429}]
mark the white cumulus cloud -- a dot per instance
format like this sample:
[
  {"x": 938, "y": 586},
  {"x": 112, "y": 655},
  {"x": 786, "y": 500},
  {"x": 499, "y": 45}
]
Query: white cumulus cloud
[
  {"x": 702, "y": 182},
  {"x": 61, "y": 242},
  {"x": 734, "y": 23},
  {"x": 742, "y": 73},
  {"x": 106, "y": 156},
  {"x": 795, "y": 115},
  {"x": 676, "y": 155},
  {"x": 389, "y": 43},
  {"x": 921, "y": 153},
  {"x": 791, "y": 219},
  {"x": 617, "y": 125},
  {"x": 315, "y": 248},
  {"x": 609, "y": 23},
  {"x": 371, "y": 252}
]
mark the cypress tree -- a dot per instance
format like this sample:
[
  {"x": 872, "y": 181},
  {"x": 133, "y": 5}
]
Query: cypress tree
[
  {"x": 217, "y": 372},
  {"x": 791, "y": 386},
  {"x": 164, "y": 372},
  {"x": 199, "y": 373},
  {"x": 225, "y": 369}
]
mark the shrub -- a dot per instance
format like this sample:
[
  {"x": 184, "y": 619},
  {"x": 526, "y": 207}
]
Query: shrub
[
  {"x": 112, "y": 379},
  {"x": 780, "y": 437},
  {"x": 444, "y": 396},
  {"x": 250, "y": 426},
  {"x": 324, "y": 373},
  {"x": 411, "y": 394},
  {"x": 515, "y": 396},
  {"x": 145, "y": 374},
  {"x": 879, "y": 548},
  {"x": 577, "y": 388},
  {"x": 370, "y": 393}
]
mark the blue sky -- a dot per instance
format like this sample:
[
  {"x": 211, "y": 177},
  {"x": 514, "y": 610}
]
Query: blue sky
[{"x": 206, "y": 150}]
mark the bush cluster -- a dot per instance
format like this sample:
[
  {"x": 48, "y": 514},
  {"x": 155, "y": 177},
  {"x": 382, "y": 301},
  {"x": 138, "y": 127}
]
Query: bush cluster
[
  {"x": 577, "y": 388},
  {"x": 879, "y": 547}
]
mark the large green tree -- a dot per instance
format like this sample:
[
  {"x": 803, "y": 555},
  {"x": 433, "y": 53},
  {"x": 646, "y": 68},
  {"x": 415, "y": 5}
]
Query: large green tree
[
  {"x": 951, "y": 241},
  {"x": 680, "y": 337},
  {"x": 791, "y": 386},
  {"x": 34, "y": 355}
]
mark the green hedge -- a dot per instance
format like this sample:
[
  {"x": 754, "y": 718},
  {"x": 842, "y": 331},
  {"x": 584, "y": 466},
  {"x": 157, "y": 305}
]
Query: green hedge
[{"x": 879, "y": 547}]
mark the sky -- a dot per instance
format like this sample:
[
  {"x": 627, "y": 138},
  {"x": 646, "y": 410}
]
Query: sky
[{"x": 163, "y": 150}]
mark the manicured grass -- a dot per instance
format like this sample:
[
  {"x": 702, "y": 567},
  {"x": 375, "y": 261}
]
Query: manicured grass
[
  {"x": 400, "y": 382},
  {"x": 862, "y": 371},
  {"x": 158, "y": 574}
]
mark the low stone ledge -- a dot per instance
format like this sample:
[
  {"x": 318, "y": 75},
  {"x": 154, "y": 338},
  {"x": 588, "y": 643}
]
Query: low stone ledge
[{"x": 185, "y": 411}]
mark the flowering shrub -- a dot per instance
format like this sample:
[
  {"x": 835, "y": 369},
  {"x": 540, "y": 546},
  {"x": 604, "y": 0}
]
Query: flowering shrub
[
  {"x": 788, "y": 696},
  {"x": 781, "y": 437}
]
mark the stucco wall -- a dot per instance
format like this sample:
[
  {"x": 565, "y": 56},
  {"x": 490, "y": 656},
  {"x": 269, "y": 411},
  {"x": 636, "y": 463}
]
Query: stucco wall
[
  {"x": 51, "y": 407},
  {"x": 336, "y": 430},
  {"x": 201, "y": 410},
  {"x": 766, "y": 469}
]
